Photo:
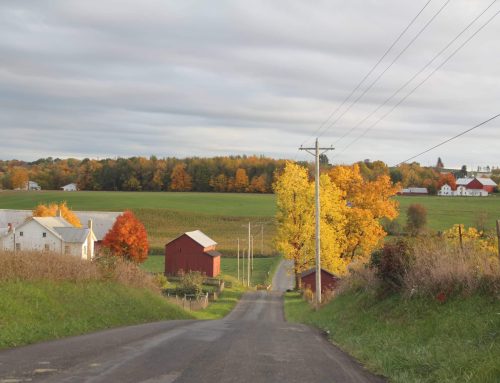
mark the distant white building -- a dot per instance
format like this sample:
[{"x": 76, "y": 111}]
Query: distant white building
[
  {"x": 462, "y": 191},
  {"x": 70, "y": 187},
  {"x": 53, "y": 234},
  {"x": 30, "y": 185},
  {"x": 414, "y": 191}
]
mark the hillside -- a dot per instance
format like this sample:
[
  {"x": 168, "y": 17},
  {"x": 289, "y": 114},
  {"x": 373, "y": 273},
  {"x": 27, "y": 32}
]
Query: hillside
[
  {"x": 412, "y": 340},
  {"x": 32, "y": 311}
]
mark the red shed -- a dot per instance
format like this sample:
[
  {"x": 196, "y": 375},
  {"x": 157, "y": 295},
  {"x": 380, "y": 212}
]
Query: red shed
[
  {"x": 192, "y": 251},
  {"x": 328, "y": 280}
]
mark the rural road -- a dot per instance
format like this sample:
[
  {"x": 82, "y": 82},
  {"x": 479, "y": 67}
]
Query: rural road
[{"x": 252, "y": 344}]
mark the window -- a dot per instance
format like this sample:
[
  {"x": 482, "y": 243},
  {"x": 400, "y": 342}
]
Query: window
[
  {"x": 21, "y": 233},
  {"x": 44, "y": 235},
  {"x": 18, "y": 246},
  {"x": 47, "y": 247},
  {"x": 66, "y": 249}
]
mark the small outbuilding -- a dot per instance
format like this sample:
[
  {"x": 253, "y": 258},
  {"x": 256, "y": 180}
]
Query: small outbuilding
[
  {"x": 192, "y": 251},
  {"x": 328, "y": 280},
  {"x": 70, "y": 187}
]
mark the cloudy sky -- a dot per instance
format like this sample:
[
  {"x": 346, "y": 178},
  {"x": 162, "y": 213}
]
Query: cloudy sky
[{"x": 102, "y": 78}]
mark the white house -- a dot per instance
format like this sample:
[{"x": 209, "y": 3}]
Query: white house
[
  {"x": 446, "y": 190},
  {"x": 70, "y": 187},
  {"x": 49, "y": 234}
]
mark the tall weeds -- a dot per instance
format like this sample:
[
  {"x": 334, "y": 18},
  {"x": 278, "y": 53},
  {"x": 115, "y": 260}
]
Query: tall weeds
[{"x": 36, "y": 266}]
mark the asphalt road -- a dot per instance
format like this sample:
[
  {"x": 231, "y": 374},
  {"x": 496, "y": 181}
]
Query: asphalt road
[{"x": 252, "y": 344}]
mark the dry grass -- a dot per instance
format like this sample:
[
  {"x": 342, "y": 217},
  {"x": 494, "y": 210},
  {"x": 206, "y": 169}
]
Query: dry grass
[
  {"x": 439, "y": 266},
  {"x": 38, "y": 266}
]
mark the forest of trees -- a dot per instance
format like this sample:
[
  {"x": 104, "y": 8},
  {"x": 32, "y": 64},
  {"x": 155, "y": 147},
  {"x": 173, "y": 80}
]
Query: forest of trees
[
  {"x": 239, "y": 174},
  {"x": 220, "y": 174}
]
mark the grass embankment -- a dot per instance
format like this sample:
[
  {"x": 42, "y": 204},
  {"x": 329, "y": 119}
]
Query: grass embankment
[
  {"x": 45, "y": 296},
  {"x": 412, "y": 340},
  {"x": 41, "y": 310}
]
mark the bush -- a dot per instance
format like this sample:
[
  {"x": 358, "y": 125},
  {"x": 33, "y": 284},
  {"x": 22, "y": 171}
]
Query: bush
[
  {"x": 416, "y": 218},
  {"x": 391, "y": 227},
  {"x": 191, "y": 283},
  {"x": 392, "y": 263}
]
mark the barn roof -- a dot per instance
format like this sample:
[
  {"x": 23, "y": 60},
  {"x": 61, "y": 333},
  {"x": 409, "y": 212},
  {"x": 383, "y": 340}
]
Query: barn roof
[
  {"x": 213, "y": 253},
  {"x": 486, "y": 181},
  {"x": 464, "y": 181},
  {"x": 313, "y": 270},
  {"x": 201, "y": 238}
]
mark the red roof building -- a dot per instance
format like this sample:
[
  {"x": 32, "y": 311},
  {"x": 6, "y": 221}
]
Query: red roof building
[
  {"x": 192, "y": 251},
  {"x": 328, "y": 280}
]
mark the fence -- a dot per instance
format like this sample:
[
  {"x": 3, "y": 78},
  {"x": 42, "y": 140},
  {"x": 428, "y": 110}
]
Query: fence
[{"x": 189, "y": 302}]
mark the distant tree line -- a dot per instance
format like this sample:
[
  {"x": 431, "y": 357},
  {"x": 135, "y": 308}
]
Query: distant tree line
[{"x": 220, "y": 174}]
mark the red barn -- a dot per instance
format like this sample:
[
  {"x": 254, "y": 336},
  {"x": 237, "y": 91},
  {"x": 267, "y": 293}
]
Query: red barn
[
  {"x": 328, "y": 280},
  {"x": 192, "y": 251},
  {"x": 482, "y": 183}
]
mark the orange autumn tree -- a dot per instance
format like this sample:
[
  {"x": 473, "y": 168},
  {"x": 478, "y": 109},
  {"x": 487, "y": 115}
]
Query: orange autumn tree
[
  {"x": 128, "y": 238},
  {"x": 180, "y": 179},
  {"x": 51, "y": 210},
  {"x": 368, "y": 202}
]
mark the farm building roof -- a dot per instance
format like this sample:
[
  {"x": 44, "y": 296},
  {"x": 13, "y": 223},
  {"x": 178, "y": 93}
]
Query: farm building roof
[
  {"x": 464, "y": 181},
  {"x": 73, "y": 234},
  {"x": 486, "y": 181},
  {"x": 201, "y": 238},
  {"x": 313, "y": 270},
  {"x": 415, "y": 190},
  {"x": 213, "y": 253},
  {"x": 102, "y": 221}
]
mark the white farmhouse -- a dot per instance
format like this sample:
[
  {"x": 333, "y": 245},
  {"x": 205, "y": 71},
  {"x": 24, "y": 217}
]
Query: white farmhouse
[
  {"x": 50, "y": 234},
  {"x": 70, "y": 187},
  {"x": 446, "y": 190}
]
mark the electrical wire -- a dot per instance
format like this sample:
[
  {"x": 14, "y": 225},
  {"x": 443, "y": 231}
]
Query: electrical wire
[{"x": 449, "y": 139}]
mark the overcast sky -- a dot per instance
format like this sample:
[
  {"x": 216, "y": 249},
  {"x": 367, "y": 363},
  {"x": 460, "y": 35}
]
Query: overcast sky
[{"x": 181, "y": 78}]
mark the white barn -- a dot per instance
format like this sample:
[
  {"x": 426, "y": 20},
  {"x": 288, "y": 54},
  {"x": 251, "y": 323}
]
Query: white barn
[{"x": 49, "y": 234}]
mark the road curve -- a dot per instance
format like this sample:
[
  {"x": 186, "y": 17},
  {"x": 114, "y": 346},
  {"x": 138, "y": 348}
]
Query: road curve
[{"x": 252, "y": 344}]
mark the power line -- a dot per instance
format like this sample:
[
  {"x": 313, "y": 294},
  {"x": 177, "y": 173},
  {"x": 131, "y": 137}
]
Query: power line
[
  {"x": 449, "y": 139},
  {"x": 370, "y": 86},
  {"x": 417, "y": 73},
  {"x": 369, "y": 72},
  {"x": 420, "y": 83}
]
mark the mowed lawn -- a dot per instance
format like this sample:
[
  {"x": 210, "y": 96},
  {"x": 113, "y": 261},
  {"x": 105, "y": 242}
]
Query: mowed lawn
[{"x": 444, "y": 212}]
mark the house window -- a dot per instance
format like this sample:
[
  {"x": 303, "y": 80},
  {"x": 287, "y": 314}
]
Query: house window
[
  {"x": 44, "y": 235},
  {"x": 18, "y": 246},
  {"x": 47, "y": 247},
  {"x": 66, "y": 249},
  {"x": 21, "y": 233}
]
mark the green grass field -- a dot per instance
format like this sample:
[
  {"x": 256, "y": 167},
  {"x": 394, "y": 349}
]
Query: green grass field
[
  {"x": 444, "y": 212},
  {"x": 35, "y": 311},
  {"x": 412, "y": 341},
  {"x": 218, "y": 204}
]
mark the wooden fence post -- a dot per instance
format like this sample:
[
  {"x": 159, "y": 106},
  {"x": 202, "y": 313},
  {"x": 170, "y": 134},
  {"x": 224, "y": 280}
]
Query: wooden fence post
[
  {"x": 498, "y": 236},
  {"x": 460, "y": 236}
]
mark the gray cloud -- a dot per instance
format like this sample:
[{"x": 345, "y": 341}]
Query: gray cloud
[{"x": 122, "y": 78}]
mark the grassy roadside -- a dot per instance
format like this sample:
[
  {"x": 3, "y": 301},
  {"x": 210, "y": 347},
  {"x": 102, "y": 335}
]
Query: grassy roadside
[
  {"x": 32, "y": 311},
  {"x": 415, "y": 340}
]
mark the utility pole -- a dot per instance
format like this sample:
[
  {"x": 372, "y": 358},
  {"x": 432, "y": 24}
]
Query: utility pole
[
  {"x": 238, "y": 263},
  {"x": 316, "y": 153},
  {"x": 252, "y": 252},
  {"x": 249, "y": 244},
  {"x": 243, "y": 267}
]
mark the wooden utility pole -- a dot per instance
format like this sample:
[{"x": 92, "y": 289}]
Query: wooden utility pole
[
  {"x": 498, "y": 236},
  {"x": 252, "y": 252},
  {"x": 316, "y": 155},
  {"x": 243, "y": 267}
]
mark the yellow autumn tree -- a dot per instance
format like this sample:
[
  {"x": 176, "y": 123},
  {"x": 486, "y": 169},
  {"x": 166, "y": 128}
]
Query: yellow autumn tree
[
  {"x": 19, "y": 178},
  {"x": 366, "y": 203},
  {"x": 180, "y": 179},
  {"x": 51, "y": 210},
  {"x": 296, "y": 221}
]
